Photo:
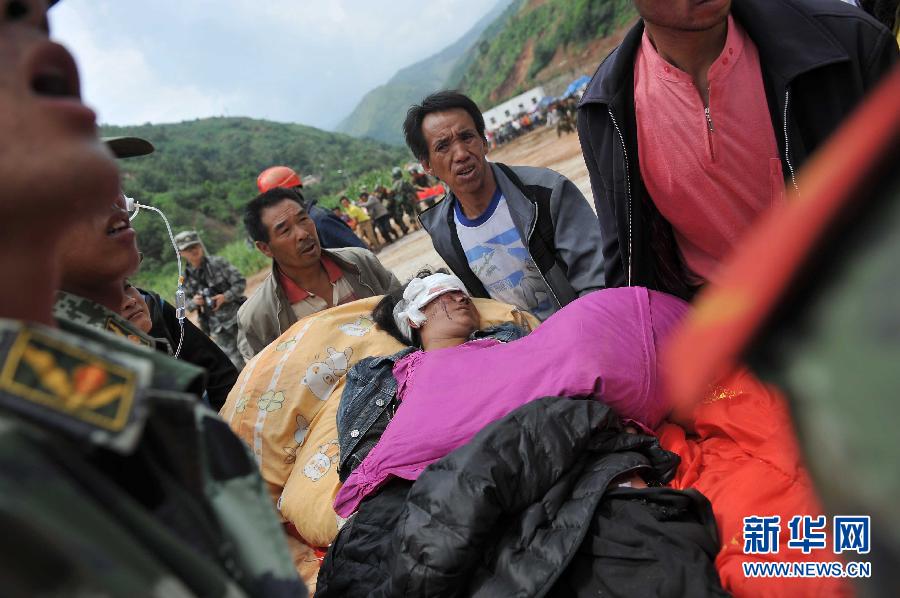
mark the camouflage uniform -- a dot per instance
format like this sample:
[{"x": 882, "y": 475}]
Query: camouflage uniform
[
  {"x": 78, "y": 310},
  {"x": 405, "y": 199},
  {"x": 117, "y": 480},
  {"x": 219, "y": 276}
]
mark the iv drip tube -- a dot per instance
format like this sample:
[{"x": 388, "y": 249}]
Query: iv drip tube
[{"x": 180, "y": 298}]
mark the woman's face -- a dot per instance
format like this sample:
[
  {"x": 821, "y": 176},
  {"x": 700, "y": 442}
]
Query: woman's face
[
  {"x": 451, "y": 315},
  {"x": 135, "y": 310}
]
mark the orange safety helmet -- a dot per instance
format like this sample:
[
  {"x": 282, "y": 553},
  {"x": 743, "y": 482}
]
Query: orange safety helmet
[{"x": 277, "y": 176}]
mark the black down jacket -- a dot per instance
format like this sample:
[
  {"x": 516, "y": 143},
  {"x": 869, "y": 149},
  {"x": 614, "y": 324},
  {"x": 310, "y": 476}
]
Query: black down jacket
[{"x": 525, "y": 509}]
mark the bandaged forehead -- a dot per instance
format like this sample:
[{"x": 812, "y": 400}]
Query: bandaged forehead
[{"x": 419, "y": 293}]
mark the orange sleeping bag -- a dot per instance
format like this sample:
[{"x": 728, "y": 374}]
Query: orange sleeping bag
[{"x": 743, "y": 456}]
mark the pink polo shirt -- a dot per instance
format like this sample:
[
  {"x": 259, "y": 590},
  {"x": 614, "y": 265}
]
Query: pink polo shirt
[{"x": 709, "y": 182}]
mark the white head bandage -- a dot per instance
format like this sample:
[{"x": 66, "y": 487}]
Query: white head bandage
[{"x": 419, "y": 293}]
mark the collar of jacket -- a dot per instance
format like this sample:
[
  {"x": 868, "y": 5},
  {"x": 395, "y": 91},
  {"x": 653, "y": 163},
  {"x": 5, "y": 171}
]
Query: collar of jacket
[
  {"x": 356, "y": 283},
  {"x": 505, "y": 333},
  {"x": 789, "y": 40},
  {"x": 521, "y": 209},
  {"x": 75, "y": 308},
  {"x": 189, "y": 270}
]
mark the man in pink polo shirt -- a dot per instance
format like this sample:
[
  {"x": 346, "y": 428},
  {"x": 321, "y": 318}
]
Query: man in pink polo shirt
[{"x": 691, "y": 127}]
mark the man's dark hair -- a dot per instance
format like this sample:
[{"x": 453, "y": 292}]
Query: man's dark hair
[
  {"x": 440, "y": 101},
  {"x": 253, "y": 210}
]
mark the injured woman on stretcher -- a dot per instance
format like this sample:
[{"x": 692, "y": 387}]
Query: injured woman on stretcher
[{"x": 491, "y": 462}]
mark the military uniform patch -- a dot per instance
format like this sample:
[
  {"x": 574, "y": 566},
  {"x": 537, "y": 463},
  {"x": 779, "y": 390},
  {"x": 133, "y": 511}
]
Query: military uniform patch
[
  {"x": 67, "y": 379},
  {"x": 113, "y": 326}
]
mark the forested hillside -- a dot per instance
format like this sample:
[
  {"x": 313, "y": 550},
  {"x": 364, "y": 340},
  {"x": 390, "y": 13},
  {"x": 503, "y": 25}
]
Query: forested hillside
[
  {"x": 204, "y": 171},
  {"x": 518, "y": 45},
  {"x": 379, "y": 115},
  {"x": 512, "y": 57}
]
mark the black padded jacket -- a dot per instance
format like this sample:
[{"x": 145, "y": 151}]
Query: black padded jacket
[{"x": 526, "y": 508}]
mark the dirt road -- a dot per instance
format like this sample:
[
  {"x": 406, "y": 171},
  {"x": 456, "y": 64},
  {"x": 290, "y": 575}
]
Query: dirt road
[{"x": 540, "y": 148}]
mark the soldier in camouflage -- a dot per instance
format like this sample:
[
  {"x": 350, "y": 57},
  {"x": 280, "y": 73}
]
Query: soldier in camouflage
[
  {"x": 405, "y": 198},
  {"x": 114, "y": 479},
  {"x": 216, "y": 289},
  {"x": 175, "y": 505}
]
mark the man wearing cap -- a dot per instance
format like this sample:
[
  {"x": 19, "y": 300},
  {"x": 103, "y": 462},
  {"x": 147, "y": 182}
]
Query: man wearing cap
[
  {"x": 114, "y": 479},
  {"x": 333, "y": 232},
  {"x": 98, "y": 254},
  {"x": 305, "y": 279},
  {"x": 216, "y": 289}
]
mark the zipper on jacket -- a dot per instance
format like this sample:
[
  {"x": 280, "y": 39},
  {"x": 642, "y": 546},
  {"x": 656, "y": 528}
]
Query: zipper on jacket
[
  {"x": 530, "y": 233},
  {"x": 710, "y": 130},
  {"x": 365, "y": 284},
  {"x": 627, "y": 186},
  {"x": 787, "y": 142}
]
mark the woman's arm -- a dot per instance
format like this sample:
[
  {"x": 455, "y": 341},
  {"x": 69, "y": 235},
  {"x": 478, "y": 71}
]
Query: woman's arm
[{"x": 366, "y": 408}]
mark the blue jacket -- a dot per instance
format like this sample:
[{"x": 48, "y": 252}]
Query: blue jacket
[
  {"x": 333, "y": 232},
  {"x": 369, "y": 399}
]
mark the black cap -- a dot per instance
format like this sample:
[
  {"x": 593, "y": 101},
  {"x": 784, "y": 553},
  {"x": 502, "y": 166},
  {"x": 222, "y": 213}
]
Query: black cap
[{"x": 128, "y": 147}]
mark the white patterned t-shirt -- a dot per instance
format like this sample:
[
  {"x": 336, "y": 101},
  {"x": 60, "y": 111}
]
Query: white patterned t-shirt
[{"x": 499, "y": 259}]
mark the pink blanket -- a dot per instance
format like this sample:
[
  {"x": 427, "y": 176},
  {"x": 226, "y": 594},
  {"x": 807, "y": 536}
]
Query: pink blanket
[{"x": 601, "y": 346}]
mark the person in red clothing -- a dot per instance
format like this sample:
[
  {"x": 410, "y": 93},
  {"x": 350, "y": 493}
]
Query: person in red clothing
[{"x": 691, "y": 127}]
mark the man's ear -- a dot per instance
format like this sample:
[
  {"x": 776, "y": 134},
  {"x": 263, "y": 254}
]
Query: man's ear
[
  {"x": 426, "y": 167},
  {"x": 264, "y": 248}
]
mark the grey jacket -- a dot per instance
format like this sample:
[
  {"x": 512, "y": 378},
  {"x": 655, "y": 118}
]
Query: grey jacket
[
  {"x": 375, "y": 208},
  {"x": 267, "y": 313},
  {"x": 570, "y": 260}
]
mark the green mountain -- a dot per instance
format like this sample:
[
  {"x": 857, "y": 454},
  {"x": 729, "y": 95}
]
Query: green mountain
[
  {"x": 519, "y": 52},
  {"x": 379, "y": 115},
  {"x": 519, "y": 44},
  {"x": 204, "y": 171}
]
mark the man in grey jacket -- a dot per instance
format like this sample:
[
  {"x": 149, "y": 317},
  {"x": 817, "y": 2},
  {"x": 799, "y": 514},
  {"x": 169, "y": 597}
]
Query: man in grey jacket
[
  {"x": 521, "y": 235},
  {"x": 379, "y": 215},
  {"x": 305, "y": 278}
]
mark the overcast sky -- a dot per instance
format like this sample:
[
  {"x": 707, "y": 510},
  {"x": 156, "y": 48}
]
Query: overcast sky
[{"x": 307, "y": 61}]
